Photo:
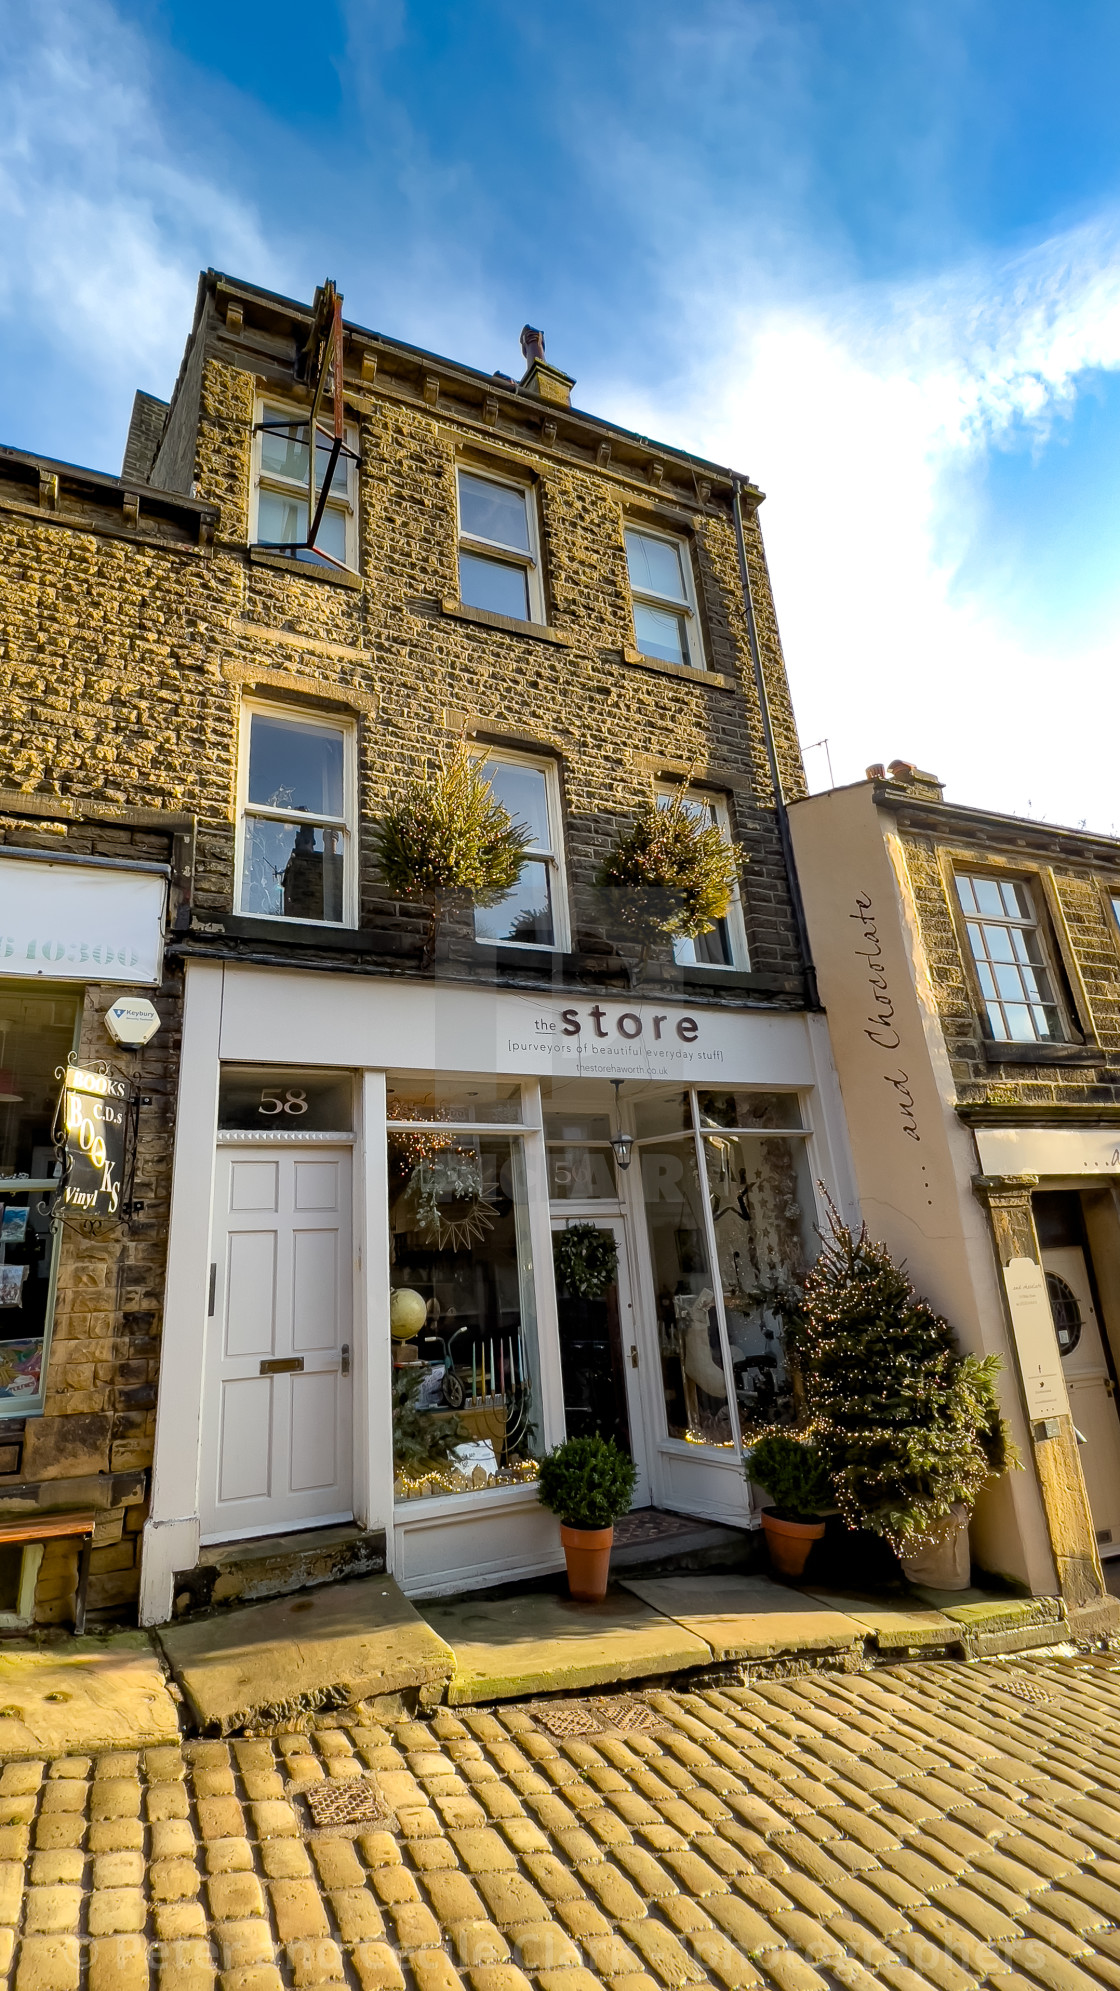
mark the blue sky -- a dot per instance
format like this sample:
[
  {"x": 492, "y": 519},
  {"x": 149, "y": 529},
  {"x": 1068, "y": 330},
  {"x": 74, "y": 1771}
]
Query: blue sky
[{"x": 866, "y": 250}]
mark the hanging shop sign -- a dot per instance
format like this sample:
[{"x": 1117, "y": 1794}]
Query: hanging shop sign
[
  {"x": 76, "y": 922},
  {"x": 95, "y": 1137}
]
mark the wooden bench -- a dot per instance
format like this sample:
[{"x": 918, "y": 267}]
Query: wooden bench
[{"x": 52, "y": 1528}]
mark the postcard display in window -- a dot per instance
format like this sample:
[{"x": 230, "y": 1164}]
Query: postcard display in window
[{"x": 36, "y": 1034}]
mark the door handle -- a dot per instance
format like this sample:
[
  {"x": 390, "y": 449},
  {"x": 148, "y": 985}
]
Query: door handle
[
  {"x": 344, "y": 1365},
  {"x": 213, "y": 1291},
  {"x": 633, "y": 1355},
  {"x": 282, "y": 1365}
]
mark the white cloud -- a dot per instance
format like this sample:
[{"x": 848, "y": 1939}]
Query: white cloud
[
  {"x": 857, "y": 414},
  {"x": 103, "y": 229}
]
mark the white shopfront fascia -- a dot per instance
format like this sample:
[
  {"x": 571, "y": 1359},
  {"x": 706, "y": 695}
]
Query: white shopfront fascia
[
  {"x": 1049, "y": 1151},
  {"x": 246, "y": 1015},
  {"x": 67, "y": 920}
]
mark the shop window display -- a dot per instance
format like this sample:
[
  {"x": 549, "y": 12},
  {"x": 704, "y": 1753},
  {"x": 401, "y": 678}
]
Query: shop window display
[
  {"x": 729, "y": 1220},
  {"x": 466, "y": 1381},
  {"x": 37, "y": 1030}
]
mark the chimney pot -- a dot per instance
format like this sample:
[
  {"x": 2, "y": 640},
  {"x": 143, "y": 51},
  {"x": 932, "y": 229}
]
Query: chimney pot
[{"x": 532, "y": 343}]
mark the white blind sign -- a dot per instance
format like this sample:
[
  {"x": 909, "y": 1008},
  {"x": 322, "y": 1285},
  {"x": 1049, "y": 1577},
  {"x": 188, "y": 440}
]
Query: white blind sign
[
  {"x": 70, "y": 922},
  {"x": 1036, "y": 1343}
]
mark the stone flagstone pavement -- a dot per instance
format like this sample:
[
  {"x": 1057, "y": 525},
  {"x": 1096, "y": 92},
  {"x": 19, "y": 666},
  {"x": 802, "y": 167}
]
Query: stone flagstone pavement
[{"x": 925, "y": 1828}]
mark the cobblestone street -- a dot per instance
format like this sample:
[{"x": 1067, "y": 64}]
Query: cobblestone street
[{"x": 936, "y": 1825}]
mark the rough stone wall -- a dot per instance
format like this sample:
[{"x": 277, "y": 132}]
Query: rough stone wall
[
  {"x": 156, "y": 648},
  {"x": 1094, "y": 939}
]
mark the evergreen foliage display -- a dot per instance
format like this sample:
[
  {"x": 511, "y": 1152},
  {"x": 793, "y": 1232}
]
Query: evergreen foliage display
[
  {"x": 419, "y": 1438},
  {"x": 673, "y": 872},
  {"x": 586, "y": 1260},
  {"x": 792, "y": 1471},
  {"x": 588, "y": 1482},
  {"x": 906, "y": 1426},
  {"x": 450, "y": 834}
]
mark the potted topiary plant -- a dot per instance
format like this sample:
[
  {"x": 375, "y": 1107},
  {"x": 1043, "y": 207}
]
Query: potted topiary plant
[
  {"x": 449, "y": 834},
  {"x": 588, "y": 1483},
  {"x": 790, "y": 1469}
]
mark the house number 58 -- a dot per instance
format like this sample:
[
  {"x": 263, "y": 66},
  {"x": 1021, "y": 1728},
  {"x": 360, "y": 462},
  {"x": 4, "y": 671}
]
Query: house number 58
[{"x": 273, "y": 1103}]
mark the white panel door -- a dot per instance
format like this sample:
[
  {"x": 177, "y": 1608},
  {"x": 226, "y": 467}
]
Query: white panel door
[
  {"x": 1092, "y": 1401},
  {"x": 276, "y": 1442}
]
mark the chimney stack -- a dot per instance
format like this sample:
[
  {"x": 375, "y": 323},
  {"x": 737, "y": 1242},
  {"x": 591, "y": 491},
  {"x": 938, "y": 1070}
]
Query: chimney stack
[{"x": 539, "y": 377}]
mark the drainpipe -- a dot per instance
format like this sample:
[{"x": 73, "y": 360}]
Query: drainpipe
[{"x": 784, "y": 838}]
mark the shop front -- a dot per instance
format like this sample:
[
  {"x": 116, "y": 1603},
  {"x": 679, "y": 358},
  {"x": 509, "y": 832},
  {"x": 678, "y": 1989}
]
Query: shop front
[
  {"x": 470, "y": 1224},
  {"x": 64, "y": 925}
]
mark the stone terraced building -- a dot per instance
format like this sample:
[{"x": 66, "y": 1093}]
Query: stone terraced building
[{"x": 322, "y": 1344}]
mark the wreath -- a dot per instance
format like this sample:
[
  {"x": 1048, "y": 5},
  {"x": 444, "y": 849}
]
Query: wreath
[
  {"x": 452, "y": 1210},
  {"x": 586, "y": 1260}
]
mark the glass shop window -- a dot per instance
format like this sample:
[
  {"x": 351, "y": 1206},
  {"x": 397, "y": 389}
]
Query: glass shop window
[
  {"x": 432, "y": 1096},
  {"x": 37, "y": 1032},
  {"x": 466, "y": 1375},
  {"x": 257, "y": 1099},
  {"x": 581, "y": 1164},
  {"x": 724, "y": 1275},
  {"x": 297, "y": 818}
]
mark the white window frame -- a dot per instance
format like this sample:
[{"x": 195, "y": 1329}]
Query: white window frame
[
  {"x": 697, "y": 661},
  {"x": 552, "y": 857},
  {"x": 495, "y": 549},
  {"x": 720, "y": 818},
  {"x": 1037, "y": 924},
  {"x": 344, "y": 484},
  {"x": 347, "y": 822}
]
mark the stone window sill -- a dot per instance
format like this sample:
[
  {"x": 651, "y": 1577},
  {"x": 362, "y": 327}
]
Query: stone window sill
[
  {"x": 286, "y": 933},
  {"x": 686, "y": 671},
  {"x": 1041, "y": 1054},
  {"x": 513, "y": 627},
  {"x": 338, "y": 577}
]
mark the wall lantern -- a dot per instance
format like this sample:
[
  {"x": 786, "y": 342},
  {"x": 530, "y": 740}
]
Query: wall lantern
[{"x": 621, "y": 1143}]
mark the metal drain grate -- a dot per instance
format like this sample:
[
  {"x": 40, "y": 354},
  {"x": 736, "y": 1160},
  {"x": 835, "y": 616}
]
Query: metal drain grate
[
  {"x": 345, "y": 1801},
  {"x": 628, "y": 1715},
  {"x": 565, "y": 1718},
  {"x": 619, "y": 1714},
  {"x": 1026, "y": 1690}
]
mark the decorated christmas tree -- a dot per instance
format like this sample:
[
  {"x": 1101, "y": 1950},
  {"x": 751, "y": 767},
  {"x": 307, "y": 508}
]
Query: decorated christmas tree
[{"x": 907, "y": 1427}]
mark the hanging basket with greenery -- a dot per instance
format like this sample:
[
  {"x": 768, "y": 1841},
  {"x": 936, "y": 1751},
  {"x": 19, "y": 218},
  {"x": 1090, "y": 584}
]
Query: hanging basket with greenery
[
  {"x": 673, "y": 872},
  {"x": 448, "y": 834},
  {"x": 586, "y": 1260},
  {"x": 907, "y": 1428}
]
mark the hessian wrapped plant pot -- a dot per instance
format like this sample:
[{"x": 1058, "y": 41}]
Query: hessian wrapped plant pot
[{"x": 587, "y": 1552}]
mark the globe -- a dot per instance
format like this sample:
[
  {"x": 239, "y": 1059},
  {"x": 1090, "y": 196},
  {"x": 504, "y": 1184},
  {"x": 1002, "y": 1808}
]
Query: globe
[{"x": 407, "y": 1313}]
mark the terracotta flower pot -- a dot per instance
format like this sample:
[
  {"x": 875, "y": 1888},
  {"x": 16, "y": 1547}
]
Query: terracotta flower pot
[
  {"x": 587, "y": 1552},
  {"x": 789, "y": 1542}
]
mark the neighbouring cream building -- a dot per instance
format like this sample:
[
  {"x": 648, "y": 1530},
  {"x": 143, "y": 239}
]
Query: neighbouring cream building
[
  {"x": 969, "y": 964},
  {"x": 329, "y": 558}
]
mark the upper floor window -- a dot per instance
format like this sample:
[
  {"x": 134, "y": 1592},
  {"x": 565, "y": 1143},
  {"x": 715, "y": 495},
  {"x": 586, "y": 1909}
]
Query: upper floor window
[
  {"x": 1008, "y": 949},
  {"x": 1116, "y": 906},
  {"x": 666, "y": 624},
  {"x": 280, "y": 511},
  {"x": 725, "y": 944},
  {"x": 534, "y": 913},
  {"x": 499, "y": 567},
  {"x": 296, "y": 817}
]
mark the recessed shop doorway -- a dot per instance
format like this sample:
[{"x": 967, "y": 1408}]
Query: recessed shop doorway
[
  {"x": 599, "y": 1353},
  {"x": 1087, "y": 1363},
  {"x": 277, "y": 1400}
]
